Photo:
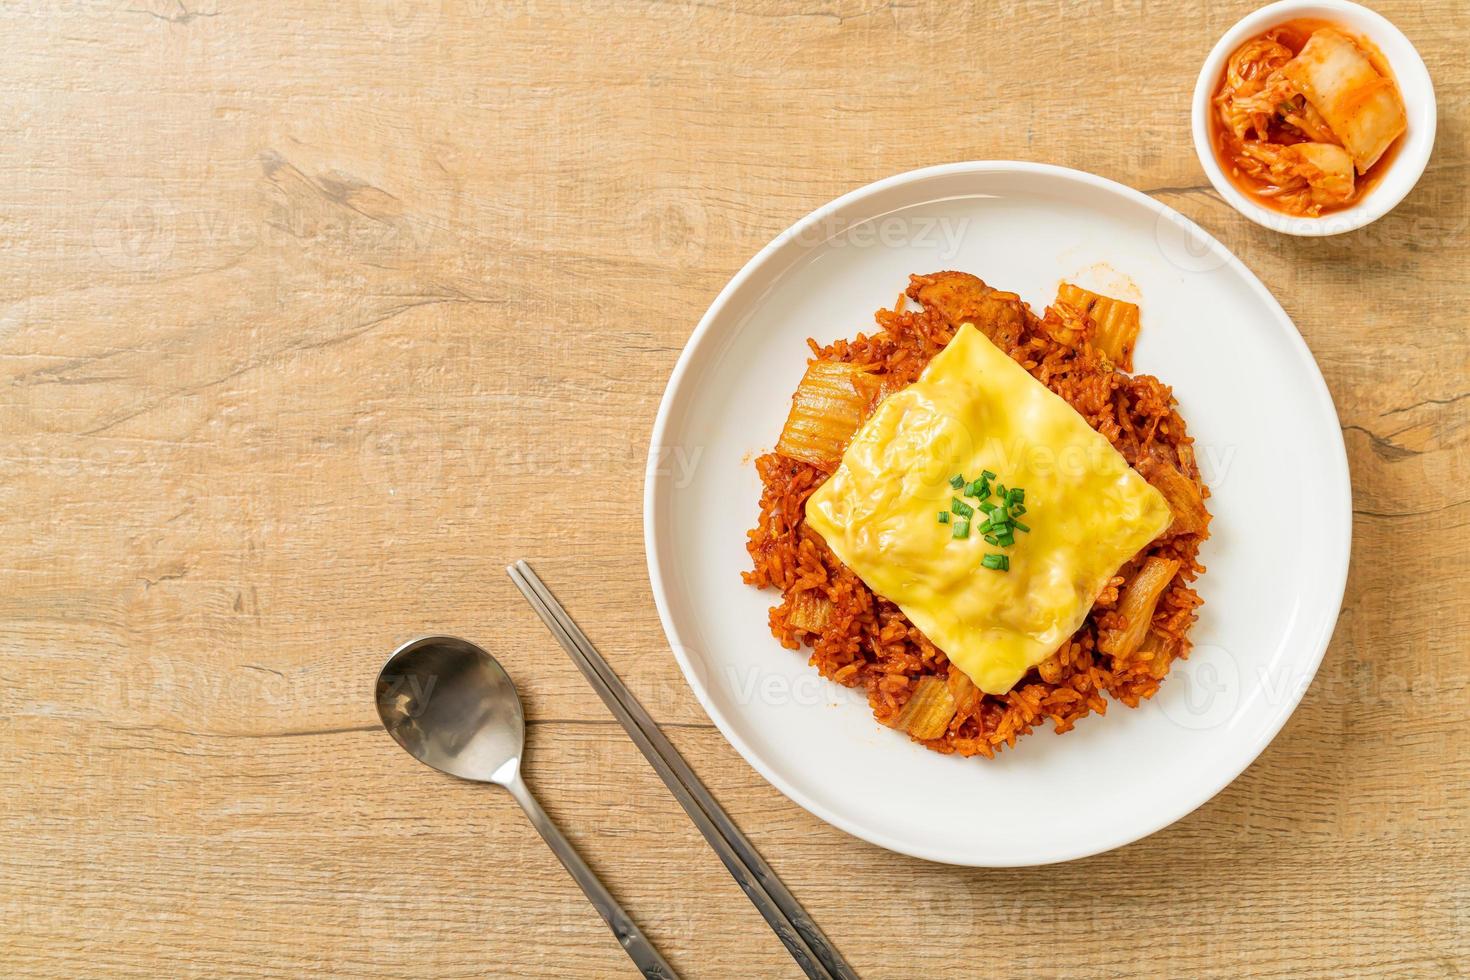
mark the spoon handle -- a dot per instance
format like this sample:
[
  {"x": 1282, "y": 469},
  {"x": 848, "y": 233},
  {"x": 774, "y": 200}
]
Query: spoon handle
[{"x": 644, "y": 956}]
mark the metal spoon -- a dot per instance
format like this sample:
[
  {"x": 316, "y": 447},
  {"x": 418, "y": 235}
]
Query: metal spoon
[{"x": 454, "y": 708}]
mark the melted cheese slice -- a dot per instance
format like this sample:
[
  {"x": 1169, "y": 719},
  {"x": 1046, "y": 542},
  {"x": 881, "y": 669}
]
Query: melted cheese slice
[{"x": 975, "y": 409}]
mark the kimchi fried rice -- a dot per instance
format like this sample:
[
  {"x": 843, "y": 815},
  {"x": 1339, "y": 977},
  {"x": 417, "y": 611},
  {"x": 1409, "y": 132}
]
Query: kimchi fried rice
[{"x": 861, "y": 640}]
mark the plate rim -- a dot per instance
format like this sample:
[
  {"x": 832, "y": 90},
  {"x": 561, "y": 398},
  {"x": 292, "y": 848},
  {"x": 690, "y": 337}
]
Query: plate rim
[{"x": 653, "y": 496}]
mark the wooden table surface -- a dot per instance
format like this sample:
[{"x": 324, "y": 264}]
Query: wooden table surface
[{"x": 314, "y": 316}]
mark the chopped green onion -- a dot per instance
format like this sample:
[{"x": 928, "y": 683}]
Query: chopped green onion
[{"x": 1000, "y": 521}]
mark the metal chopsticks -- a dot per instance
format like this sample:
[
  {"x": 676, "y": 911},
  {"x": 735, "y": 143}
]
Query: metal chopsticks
[{"x": 811, "y": 949}]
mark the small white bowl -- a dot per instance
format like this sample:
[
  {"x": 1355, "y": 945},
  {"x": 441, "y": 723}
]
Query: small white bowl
[{"x": 1414, "y": 84}]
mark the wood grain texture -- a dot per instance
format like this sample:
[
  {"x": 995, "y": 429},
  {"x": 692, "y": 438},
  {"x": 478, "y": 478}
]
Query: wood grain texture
[{"x": 308, "y": 313}]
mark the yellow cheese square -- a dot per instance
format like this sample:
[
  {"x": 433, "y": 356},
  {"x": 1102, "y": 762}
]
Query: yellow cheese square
[{"x": 975, "y": 409}]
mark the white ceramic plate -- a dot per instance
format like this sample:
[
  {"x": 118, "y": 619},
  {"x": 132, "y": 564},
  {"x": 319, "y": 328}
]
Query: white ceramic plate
[{"x": 1269, "y": 444}]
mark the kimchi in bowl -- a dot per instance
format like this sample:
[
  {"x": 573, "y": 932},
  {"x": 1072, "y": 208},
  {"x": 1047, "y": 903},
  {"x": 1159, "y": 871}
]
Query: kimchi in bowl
[{"x": 1380, "y": 186}]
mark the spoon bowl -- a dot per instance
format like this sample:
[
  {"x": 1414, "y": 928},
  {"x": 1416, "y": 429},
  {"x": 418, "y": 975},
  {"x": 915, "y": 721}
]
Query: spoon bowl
[{"x": 453, "y": 707}]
